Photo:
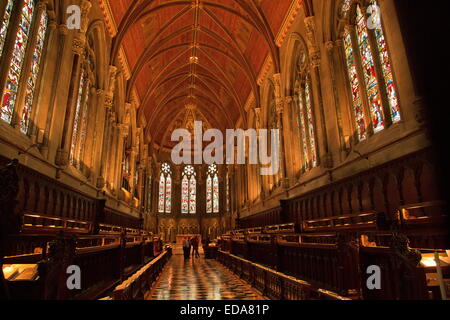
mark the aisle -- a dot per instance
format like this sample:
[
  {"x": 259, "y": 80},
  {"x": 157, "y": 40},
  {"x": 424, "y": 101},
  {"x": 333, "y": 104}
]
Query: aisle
[{"x": 200, "y": 279}]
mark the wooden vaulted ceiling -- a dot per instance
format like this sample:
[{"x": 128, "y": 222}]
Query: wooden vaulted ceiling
[{"x": 202, "y": 52}]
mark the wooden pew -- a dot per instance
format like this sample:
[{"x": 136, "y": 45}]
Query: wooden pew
[
  {"x": 140, "y": 283},
  {"x": 40, "y": 224},
  {"x": 371, "y": 220}
]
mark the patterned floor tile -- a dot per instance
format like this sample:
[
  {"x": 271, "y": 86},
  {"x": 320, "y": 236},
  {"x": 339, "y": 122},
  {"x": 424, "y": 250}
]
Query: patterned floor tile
[{"x": 200, "y": 279}]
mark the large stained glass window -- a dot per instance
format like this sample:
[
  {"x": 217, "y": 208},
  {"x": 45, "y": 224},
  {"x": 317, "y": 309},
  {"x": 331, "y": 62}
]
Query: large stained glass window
[
  {"x": 386, "y": 66},
  {"x": 364, "y": 54},
  {"x": 5, "y": 24},
  {"x": 311, "y": 124},
  {"x": 11, "y": 88},
  {"x": 212, "y": 190},
  {"x": 209, "y": 194},
  {"x": 169, "y": 194},
  {"x": 82, "y": 110},
  {"x": 356, "y": 89},
  {"x": 77, "y": 118},
  {"x": 165, "y": 189},
  {"x": 188, "y": 191},
  {"x": 306, "y": 120},
  {"x": 372, "y": 87},
  {"x": 34, "y": 73},
  {"x": 302, "y": 124}
]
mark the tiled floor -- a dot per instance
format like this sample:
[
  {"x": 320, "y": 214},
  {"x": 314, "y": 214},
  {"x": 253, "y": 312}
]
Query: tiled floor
[{"x": 200, "y": 279}]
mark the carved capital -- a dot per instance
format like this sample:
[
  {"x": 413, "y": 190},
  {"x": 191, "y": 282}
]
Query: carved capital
[
  {"x": 63, "y": 30},
  {"x": 79, "y": 43},
  {"x": 315, "y": 59},
  {"x": 124, "y": 130},
  {"x": 288, "y": 100},
  {"x": 108, "y": 101},
  {"x": 329, "y": 45}
]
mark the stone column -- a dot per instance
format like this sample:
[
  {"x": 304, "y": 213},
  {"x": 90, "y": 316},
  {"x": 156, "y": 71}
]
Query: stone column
[
  {"x": 332, "y": 70},
  {"x": 78, "y": 47},
  {"x": 279, "y": 102},
  {"x": 60, "y": 47}
]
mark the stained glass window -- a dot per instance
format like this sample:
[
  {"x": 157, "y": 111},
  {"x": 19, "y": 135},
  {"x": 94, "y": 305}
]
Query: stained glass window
[
  {"x": 216, "y": 194},
  {"x": 361, "y": 54},
  {"x": 192, "y": 195},
  {"x": 305, "y": 112},
  {"x": 185, "y": 195},
  {"x": 5, "y": 25},
  {"x": 83, "y": 123},
  {"x": 169, "y": 194},
  {"x": 165, "y": 190},
  {"x": 188, "y": 191},
  {"x": 162, "y": 192},
  {"x": 386, "y": 67},
  {"x": 82, "y": 111},
  {"x": 20, "y": 45},
  {"x": 34, "y": 73},
  {"x": 212, "y": 190},
  {"x": 76, "y": 120},
  {"x": 373, "y": 92},
  {"x": 312, "y": 134},
  {"x": 302, "y": 123},
  {"x": 209, "y": 207},
  {"x": 356, "y": 89}
]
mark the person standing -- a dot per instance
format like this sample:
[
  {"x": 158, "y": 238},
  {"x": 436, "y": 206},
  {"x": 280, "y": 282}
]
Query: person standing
[
  {"x": 194, "y": 243},
  {"x": 186, "y": 248}
]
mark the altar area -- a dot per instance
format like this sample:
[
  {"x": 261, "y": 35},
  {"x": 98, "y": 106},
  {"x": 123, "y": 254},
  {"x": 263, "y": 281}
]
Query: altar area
[{"x": 182, "y": 237}]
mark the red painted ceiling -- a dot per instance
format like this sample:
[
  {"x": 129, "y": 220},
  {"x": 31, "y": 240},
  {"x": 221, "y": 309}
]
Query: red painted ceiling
[{"x": 158, "y": 38}]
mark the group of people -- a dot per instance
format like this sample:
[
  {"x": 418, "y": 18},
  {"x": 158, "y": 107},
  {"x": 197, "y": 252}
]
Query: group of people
[{"x": 187, "y": 244}]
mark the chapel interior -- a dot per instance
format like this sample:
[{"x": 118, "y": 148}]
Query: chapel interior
[{"x": 92, "y": 92}]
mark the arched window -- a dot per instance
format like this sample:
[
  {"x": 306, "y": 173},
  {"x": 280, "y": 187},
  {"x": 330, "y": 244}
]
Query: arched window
[
  {"x": 188, "y": 191},
  {"x": 228, "y": 193},
  {"x": 19, "y": 63},
  {"x": 82, "y": 111},
  {"x": 5, "y": 24},
  {"x": 149, "y": 193},
  {"x": 165, "y": 189},
  {"x": 212, "y": 190},
  {"x": 374, "y": 95},
  {"x": 306, "y": 119}
]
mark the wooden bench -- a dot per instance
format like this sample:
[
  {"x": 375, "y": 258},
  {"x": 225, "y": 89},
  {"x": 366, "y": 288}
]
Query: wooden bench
[
  {"x": 136, "y": 286},
  {"x": 282, "y": 228},
  {"x": 434, "y": 212},
  {"x": 40, "y": 224},
  {"x": 355, "y": 222}
]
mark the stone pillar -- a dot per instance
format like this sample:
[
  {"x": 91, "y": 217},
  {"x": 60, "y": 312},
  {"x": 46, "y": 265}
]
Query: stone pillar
[
  {"x": 60, "y": 47},
  {"x": 78, "y": 47},
  {"x": 279, "y": 102}
]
